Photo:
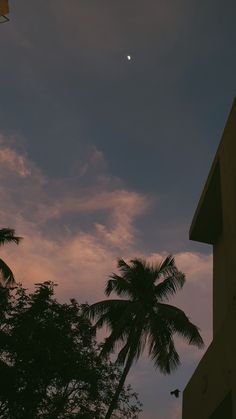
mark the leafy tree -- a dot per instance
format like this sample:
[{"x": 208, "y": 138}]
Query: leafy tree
[
  {"x": 143, "y": 319},
  {"x": 7, "y": 235},
  {"x": 50, "y": 361}
]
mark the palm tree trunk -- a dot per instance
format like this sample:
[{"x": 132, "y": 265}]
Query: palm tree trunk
[{"x": 119, "y": 389}]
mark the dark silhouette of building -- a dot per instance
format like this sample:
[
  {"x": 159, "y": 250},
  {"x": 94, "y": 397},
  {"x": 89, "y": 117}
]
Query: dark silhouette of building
[{"x": 211, "y": 391}]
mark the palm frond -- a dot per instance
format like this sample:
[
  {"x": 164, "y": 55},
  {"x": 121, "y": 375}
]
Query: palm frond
[
  {"x": 7, "y": 235},
  {"x": 115, "y": 319},
  {"x": 170, "y": 285},
  {"x": 110, "y": 343},
  {"x": 124, "y": 267},
  {"x": 161, "y": 345},
  {"x": 139, "y": 264},
  {"x": 102, "y": 307},
  {"x": 108, "y": 346},
  {"x": 135, "y": 344},
  {"x": 119, "y": 285},
  {"x": 122, "y": 355},
  {"x": 7, "y": 278},
  {"x": 180, "y": 324},
  {"x": 141, "y": 270},
  {"x": 140, "y": 345},
  {"x": 165, "y": 357},
  {"x": 124, "y": 330},
  {"x": 166, "y": 267},
  {"x": 167, "y": 262}
]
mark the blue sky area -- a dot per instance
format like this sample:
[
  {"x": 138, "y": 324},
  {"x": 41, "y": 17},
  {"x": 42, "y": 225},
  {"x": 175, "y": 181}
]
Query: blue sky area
[{"x": 102, "y": 157}]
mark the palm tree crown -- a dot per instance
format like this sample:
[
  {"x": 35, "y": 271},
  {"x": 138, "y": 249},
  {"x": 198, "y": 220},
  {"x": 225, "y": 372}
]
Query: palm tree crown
[
  {"x": 7, "y": 235},
  {"x": 144, "y": 318}
]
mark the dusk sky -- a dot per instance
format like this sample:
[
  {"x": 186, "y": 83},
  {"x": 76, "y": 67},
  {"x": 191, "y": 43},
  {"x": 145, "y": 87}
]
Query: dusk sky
[{"x": 103, "y": 157}]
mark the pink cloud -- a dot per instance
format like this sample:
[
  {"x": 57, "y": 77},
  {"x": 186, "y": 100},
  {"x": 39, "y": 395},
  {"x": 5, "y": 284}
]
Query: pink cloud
[
  {"x": 79, "y": 259},
  {"x": 10, "y": 160}
]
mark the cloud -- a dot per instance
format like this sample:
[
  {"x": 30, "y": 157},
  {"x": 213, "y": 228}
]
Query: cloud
[
  {"x": 79, "y": 265},
  {"x": 73, "y": 235},
  {"x": 50, "y": 214},
  {"x": 126, "y": 206},
  {"x": 10, "y": 160}
]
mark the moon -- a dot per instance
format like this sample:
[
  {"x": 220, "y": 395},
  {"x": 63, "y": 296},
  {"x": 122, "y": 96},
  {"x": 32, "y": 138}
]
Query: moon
[{"x": 128, "y": 57}]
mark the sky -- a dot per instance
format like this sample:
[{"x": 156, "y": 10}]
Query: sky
[{"x": 103, "y": 157}]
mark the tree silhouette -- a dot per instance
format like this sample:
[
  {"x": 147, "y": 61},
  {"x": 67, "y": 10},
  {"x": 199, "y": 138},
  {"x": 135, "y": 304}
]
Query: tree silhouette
[
  {"x": 49, "y": 361},
  {"x": 143, "y": 319},
  {"x": 7, "y": 235}
]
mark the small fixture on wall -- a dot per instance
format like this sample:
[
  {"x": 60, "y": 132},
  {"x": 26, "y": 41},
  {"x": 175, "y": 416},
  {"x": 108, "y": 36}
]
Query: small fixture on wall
[{"x": 4, "y": 10}]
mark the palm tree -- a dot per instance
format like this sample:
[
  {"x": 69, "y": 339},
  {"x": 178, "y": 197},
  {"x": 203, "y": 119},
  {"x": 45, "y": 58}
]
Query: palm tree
[
  {"x": 143, "y": 319},
  {"x": 7, "y": 235}
]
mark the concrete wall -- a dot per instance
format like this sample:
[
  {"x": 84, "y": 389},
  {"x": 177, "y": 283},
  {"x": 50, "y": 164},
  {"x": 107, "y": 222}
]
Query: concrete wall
[
  {"x": 224, "y": 253},
  {"x": 215, "y": 376}
]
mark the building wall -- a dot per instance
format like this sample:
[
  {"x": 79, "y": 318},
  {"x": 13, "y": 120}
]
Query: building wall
[
  {"x": 215, "y": 376},
  {"x": 224, "y": 250}
]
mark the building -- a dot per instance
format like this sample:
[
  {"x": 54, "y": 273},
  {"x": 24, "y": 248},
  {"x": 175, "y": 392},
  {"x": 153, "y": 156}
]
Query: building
[
  {"x": 4, "y": 10},
  {"x": 211, "y": 391}
]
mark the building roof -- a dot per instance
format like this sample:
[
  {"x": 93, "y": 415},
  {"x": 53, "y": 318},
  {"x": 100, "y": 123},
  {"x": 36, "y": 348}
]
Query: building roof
[{"x": 207, "y": 221}]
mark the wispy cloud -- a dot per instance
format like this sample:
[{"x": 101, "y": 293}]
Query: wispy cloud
[
  {"x": 14, "y": 162},
  {"x": 74, "y": 234},
  {"x": 50, "y": 215},
  {"x": 77, "y": 233}
]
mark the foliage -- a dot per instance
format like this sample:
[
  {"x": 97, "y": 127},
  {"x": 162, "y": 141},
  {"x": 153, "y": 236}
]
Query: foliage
[
  {"x": 143, "y": 318},
  {"x": 50, "y": 361},
  {"x": 7, "y": 235}
]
